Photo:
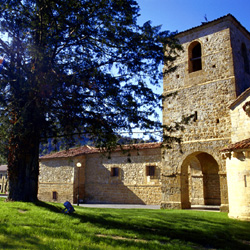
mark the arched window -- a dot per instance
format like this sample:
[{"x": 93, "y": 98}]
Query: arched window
[
  {"x": 194, "y": 53},
  {"x": 245, "y": 58}
]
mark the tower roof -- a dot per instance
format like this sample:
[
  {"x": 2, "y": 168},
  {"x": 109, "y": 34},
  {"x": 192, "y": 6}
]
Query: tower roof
[{"x": 228, "y": 17}]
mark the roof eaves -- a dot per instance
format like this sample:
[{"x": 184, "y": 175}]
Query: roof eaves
[
  {"x": 244, "y": 144},
  {"x": 85, "y": 150},
  {"x": 239, "y": 98},
  {"x": 228, "y": 16}
]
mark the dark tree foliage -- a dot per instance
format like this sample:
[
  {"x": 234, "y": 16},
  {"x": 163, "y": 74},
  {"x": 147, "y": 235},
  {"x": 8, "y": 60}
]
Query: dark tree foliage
[{"x": 74, "y": 66}]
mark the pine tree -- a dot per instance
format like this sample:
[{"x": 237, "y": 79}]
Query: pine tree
[{"x": 74, "y": 66}]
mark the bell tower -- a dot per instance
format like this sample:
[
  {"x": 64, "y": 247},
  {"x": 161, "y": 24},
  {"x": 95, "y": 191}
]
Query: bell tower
[{"x": 212, "y": 70}]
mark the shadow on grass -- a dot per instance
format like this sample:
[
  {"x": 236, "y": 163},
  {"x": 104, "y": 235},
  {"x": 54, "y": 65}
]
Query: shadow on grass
[
  {"x": 209, "y": 234},
  {"x": 13, "y": 240},
  {"x": 216, "y": 232},
  {"x": 56, "y": 208}
]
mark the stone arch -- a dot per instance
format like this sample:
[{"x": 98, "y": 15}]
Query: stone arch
[
  {"x": 194, "y": 56},
  {"x": 200, "y": 182}
]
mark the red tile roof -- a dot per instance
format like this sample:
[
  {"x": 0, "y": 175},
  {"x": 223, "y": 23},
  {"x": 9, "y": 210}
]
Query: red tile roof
[
  {"x": 84, "y": 150},
  {"x": 238, "y": 145},
  {"x": 71, "y": 152}
]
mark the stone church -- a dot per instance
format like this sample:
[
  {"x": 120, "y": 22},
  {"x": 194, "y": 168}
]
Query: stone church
[
  {"x": 212, "y": 71},
  {"x": 211, "y": 81},
  {"x": 84, "y": 174}
]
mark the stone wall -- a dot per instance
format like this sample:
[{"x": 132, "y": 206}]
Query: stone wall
[
  {"x": 240, "y": 120},
  {"x": 56, "y": 175},
  {"x": 240, "y": 36},
  {"x": 132, "y": 186},
  {"x": 178, "y": 168},
  {"x": 217, "y": 61},
  {"x": 94, "y": 183},
  {"x": 208, "y": 92},
  {"x": 238, "y": 171},
  {"x": 238, "y": 161},
  {"x": 205, "y": 94}
]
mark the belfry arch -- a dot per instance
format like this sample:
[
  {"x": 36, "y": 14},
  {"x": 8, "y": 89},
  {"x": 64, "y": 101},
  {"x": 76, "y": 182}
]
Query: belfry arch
[
  {"x": 195, "y": 56},
  {"x": 200, "y": 182}
]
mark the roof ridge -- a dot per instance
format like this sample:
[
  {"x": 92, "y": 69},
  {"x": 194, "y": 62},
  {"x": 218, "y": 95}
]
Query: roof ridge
[
  {"x": 86, "y": 149},
  {"x": 229, "y": 15}
]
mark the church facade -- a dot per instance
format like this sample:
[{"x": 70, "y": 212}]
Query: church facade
[
  {"x": 212, "y": 70},
  {"x": 132, "y": 175},
  {"x": 209, "y": 166},
  {"x": 237, "y": 157}
]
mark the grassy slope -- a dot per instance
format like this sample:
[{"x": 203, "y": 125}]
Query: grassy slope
[{"x": 43, "y": 226}]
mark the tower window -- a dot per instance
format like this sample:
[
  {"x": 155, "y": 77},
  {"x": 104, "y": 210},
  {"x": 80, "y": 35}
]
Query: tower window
[
  {"x": 245, "y": 58},
  {"x": 194, "y": 53}
]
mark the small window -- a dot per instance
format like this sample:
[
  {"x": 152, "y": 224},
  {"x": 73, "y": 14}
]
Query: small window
[
  {"x": 194, "y": 54},
  {"x": 54, "y": 195},
  {"x": 1, "y": 176},
  {"x": 114, "y": 172},
  {"x": 195, "y": 116},
  {"x": 150, "y": 171},
  {"x": 245, "y": 58}
]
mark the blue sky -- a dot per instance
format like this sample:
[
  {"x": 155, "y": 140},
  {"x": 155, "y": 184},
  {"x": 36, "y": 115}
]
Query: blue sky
[{"x": 184, "y": 14}]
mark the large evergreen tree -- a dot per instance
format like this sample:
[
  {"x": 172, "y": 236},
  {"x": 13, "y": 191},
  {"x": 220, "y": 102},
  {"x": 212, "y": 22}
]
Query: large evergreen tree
[{"x": 73, "y": 66}]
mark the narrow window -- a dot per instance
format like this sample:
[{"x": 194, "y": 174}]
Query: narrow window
[
  {"x": 1, "y": 176},
  {"x": 245, "y": 180},
  {"x": 195, "y": 116},
  {"x": 114, "y": 172},
  {"x": 54, "y": 195},
  {"x": 194, "y": 52},
  {"x": 245, "y": 58},
  {"x": 150, "y": 171}
]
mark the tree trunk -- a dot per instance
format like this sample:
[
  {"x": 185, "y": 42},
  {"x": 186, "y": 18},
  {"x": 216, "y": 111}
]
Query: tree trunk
[{"x": 23, "y": 167}]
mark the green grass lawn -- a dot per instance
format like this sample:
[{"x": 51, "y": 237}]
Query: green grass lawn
[{"x": 43, "y": 226}]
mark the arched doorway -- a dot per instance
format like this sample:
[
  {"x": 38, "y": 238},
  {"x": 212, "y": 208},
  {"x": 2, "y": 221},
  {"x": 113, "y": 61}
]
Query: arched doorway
[{"x": 200, "y": 182}]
